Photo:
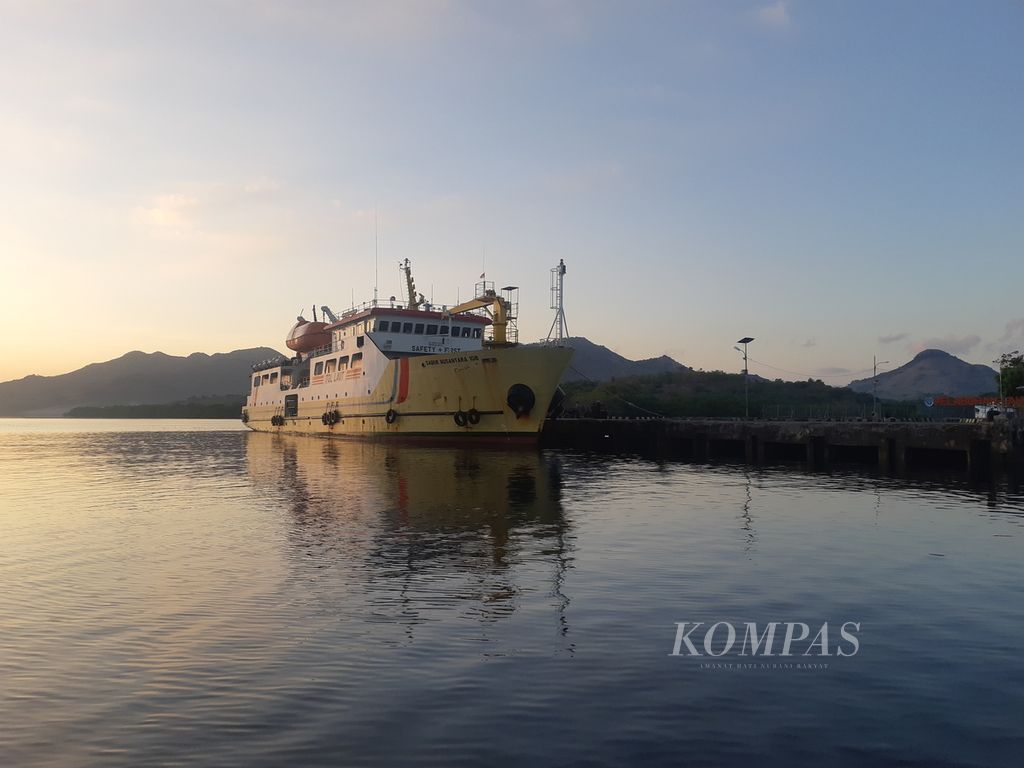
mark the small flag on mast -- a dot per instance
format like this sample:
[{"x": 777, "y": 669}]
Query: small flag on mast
[{"x": 483, "y": 275}]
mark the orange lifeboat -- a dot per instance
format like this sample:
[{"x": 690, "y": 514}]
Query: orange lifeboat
[{"x": 306, "y": 336}]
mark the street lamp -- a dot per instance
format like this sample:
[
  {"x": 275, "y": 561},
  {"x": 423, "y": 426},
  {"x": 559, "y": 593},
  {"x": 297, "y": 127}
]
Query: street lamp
[
  {"x": 874, "y": 387},
  {"x": 746, "y": 375}
]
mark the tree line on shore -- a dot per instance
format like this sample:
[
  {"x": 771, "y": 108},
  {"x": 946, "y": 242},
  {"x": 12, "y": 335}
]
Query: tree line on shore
[
  {"x": 214, "y": 407},
  {"x": 690, "y": 393},
  {"x": 683, "y": 393}
]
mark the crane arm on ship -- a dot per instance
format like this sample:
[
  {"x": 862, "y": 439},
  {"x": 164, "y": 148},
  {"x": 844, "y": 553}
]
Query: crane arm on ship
[{"x": 496, "y": 307}]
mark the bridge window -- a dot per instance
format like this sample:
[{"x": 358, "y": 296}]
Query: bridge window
[
  {"x": 383, "y": 325},
  {"x": 476, "y": 333},
  {"x": 419, "y": 329},
  {"x": 359, "y": 340},
  {"x": 407, "y": 328},
  {"x": 343, "y": 363},
  {"x": 266, "y": 378},
  {"x": 273, "y": 377},
  {"x": 466, "y": 331},
  {"x": 319, "y": 369},
  {"x": 357, "y": 359},
  {"x": 330, "y": 366},
  {"x": 431, "y": 330},
  {"x": 443, "y": 330},
  {"x": 256, "y": 381},
  {"x": 455, "y": 331}
]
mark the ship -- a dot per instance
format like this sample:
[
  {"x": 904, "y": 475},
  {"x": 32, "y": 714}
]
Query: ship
[{"x": 411, "y": 369}]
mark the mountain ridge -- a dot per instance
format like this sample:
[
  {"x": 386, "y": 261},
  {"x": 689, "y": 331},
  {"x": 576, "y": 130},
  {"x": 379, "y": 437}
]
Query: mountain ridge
[
  {"x": 146, "y": 378},
  {"x": 931, "y": 372},
  {"x": 134, "y": 378},
  {"x": 598, "y": 363}
]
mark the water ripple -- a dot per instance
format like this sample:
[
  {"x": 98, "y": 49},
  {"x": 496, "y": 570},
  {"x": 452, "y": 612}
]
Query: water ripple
[{"x": 180, "y": 594}]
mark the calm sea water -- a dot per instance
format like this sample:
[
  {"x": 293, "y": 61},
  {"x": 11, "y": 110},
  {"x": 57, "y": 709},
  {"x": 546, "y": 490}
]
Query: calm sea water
[{"x": 186, "y": 593}]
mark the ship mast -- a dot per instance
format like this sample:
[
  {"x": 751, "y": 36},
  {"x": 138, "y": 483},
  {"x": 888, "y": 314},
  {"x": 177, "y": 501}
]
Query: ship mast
[{"x": 414, "y": 302}]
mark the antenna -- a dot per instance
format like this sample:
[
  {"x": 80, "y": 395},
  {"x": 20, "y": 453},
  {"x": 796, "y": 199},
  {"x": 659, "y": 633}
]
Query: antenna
[
  {"x": 375, "y": 256},
  {"x": 559, "y": 327}
]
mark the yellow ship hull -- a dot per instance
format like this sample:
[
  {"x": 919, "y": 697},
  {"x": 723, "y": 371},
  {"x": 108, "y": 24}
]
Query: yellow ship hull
[{"x": 460, "y": 395}]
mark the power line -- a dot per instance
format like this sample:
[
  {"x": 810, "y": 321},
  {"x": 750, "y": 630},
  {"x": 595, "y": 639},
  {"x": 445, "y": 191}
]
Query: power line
[
  {"x": 811, "y": 375},
  {"x": 618, "y": 397}
]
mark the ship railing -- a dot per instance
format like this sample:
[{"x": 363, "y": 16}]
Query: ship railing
[
  {"x": 326, "y": 349},
  {"x": 511, "y": 333},
  {"x": 366, "y": 306},
  {"x": 263, "y": 365},
  {"x": 355, "y": 309}
]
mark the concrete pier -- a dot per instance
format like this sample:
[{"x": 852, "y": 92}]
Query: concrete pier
[{"x": 894, "y": 446}]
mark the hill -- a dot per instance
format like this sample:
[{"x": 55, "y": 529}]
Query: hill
[
  {"x": 598, "y": 363},
  {"x": 134, "y": 378},
  {"x": 715, "y": 393},
  {"x": 931, "y": 372},
  {"x": 139, "y": 378},
  {"x": 213, "y": 407}
]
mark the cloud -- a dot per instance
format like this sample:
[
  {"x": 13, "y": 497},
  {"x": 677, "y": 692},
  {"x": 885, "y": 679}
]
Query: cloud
[
  {"x": 894, "y": 337},
  {"x": 775, "y": 16},
  {"x": 834, "y": 371},
  {"x": 261, "y": 184},
  {"x": 809, "y": 343},
  {"x": 955, "y": 345},
  {"x": 169, "y": 212},
  {"x": 1014, "y": 330}
]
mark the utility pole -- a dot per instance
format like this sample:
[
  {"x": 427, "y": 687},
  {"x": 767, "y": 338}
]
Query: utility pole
[
  {"x": 874, "y": 386},
  {"x": 746, "y": 375},
  {"x": 1002, "y": 399}
]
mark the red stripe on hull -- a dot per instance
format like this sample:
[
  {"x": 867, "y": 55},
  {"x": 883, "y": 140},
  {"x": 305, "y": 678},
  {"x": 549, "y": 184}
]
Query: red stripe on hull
[{"x": 403, "y": 379}]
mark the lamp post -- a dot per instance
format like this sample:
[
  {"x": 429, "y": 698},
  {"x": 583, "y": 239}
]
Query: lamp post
[
  {"x": 746, "y": 375},
  {"x": 874, "y": 386},
  {"x": 1002, "y": 399}
]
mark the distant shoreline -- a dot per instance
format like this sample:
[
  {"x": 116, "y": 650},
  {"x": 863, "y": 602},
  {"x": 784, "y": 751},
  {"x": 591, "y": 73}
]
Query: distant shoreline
[{"x": 229, "y": 407}]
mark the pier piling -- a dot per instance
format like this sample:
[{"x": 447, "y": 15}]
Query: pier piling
[{"x": 979, "y": 446}]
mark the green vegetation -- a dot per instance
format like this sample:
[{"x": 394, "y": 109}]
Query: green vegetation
[
  {"x": 1011, "y": 365},
  {"x": 716, "y": 394},
  {"x": 215, "y": 407}
]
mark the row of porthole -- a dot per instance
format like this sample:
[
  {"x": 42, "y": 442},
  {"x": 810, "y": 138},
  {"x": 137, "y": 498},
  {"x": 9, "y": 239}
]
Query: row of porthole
[
  {"x": 330, "y": 418},
  {"x": 520, "y": 399}
]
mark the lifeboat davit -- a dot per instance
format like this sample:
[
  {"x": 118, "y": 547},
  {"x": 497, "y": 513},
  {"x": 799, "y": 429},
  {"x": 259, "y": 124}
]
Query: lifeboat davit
[{"x": 306, "y": 336}]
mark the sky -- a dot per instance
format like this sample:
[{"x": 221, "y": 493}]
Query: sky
[{"x": 838, "y": 180}]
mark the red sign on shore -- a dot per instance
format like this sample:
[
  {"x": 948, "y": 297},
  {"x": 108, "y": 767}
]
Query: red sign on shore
[{"x": 958, "y": 402}]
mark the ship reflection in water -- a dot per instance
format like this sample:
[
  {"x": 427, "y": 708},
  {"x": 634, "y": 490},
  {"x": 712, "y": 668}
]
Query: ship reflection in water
[{"x": 428, "y": 531}]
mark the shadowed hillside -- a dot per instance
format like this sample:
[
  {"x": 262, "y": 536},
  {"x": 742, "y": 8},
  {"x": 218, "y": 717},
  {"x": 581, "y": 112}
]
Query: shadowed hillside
[
  {"x": 593, "y": 361},
  {"x": 690, "y": 393},
  {"x": 134, "y": 378},
  {"x": 932, "y": 372}
]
